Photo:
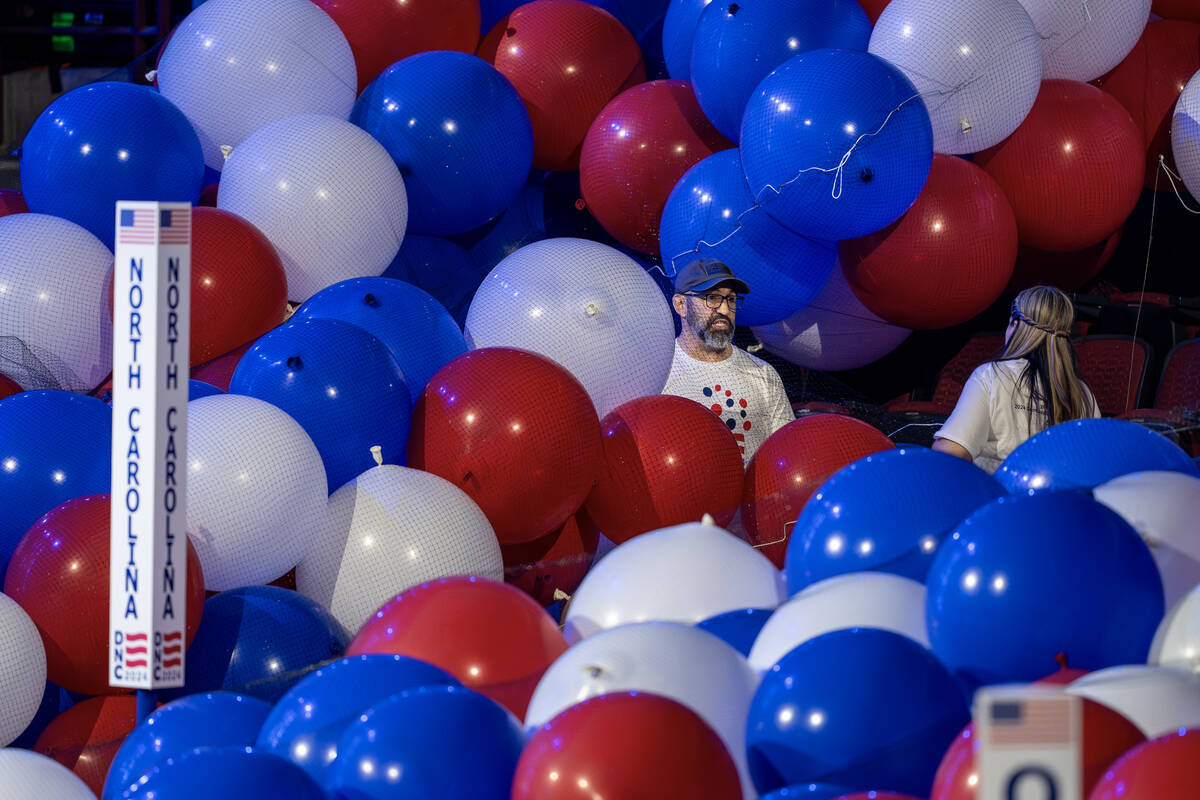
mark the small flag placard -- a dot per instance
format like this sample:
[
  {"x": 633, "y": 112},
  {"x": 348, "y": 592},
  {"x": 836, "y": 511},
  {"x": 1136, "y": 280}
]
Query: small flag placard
[{"x": 1028, "y": 743}]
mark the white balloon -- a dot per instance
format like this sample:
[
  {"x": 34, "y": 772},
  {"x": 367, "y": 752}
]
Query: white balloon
[
  {"x": 1164, "y": 508},
  {"x": 55, "y": 331},
  {"x": 26, "y": 775},
  {"x": 1159, "y": 700},
  {"x": 833, "y": 332},
  {"x": 684, "y": 573},
  {"x": 232, "y": 67},
  {"x": 680, "y": 662},
  {"x": 586, "y": 305},
  {"x": 977, "y": 65},
  {"x": 1185, "y": 135},
  {"x": 854, "y": 600},
  {"x": 22, "y": 670},
  {"x": 327, "y": 195},
  {"x": 388, "y": 530},
  {"x": 1177, "y": 640},
  {"x": 1083, "y": 40},
  {"x": 256, "y": 490}
]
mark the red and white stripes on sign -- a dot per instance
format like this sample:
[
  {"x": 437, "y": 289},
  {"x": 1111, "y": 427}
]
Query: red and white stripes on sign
[
  {"x": 137, "y": 226},
  {"x": 1045, "y": 721},
  {"x": 175, "y": 227}
]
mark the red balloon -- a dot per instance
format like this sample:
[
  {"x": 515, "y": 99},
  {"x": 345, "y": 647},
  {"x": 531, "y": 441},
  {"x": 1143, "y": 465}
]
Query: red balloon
[
  {"x": 513, "y": 430},
  {"x": 1106, "y": 735},
  {"x": 790, "y": 465},
  {"x": 1072, "y": 170},
  {"x": 208, "y": 195},
  {"x": 489, "y": 635},
  {"x": 12, "y": 202},
  {"x": 1067, "y": 271},
  {"x": 8, "y": 386},
  {"x": 567, "y": 59},
  {"x": 873, "y": 8},
  {"x": 1177, "y": 9},
  {"x": 219, "y": 371},
  {"x": 86, "y": 737},
  {"x": 668, "y": 460},
  {"x": 59, "y": 575},
  {"x": 556, "y": 562},
  {"x": 636, "y": 150},
  {"x": 1148, "y": 83},
  {"x": 1156, "y": 770},
  {"x": 381, "y": 32},
  {"x": 626, "y": 745},
  {"x": 946, "y": 260}
]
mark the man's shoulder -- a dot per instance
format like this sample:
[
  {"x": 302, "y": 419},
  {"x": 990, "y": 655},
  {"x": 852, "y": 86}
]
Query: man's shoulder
[{"x": 748, "y": 360}]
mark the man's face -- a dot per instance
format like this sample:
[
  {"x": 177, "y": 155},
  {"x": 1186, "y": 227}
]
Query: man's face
[{"x": 713, "y": 325}]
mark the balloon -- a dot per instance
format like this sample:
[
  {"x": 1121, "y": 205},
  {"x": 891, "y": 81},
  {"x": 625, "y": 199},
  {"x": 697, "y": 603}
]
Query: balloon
[
  {"x": 216, "y": 719},
  {"x": 259, "y": 641},
  {"x": 85, "y": 738},
  {"x": 887, "y": 512},
  {"x": 834, "y": 144},
  {"x": 339, "y": 382},
  {"x": 327, "y": 195},
  {"x": 638, "y": 147},
  {"x": 234, "y": 70},
  {"x": 1085, "y": 453},
  {"x": 12, "y": 202},
  {"x": 807, "y": 791},
  {"x": 440, "y": 115},
  {"x": 28, "y": 774},
  {"x": 219, "y": 371},
  {"x": 1088, "y": 143},
  {"x": 585, "y": 305},
  {"x": 198, "y": 389},
  {"x": 1176, "y": 9},
  {"x": 485, "y": 633},
  {"x": 226, "y": 772},
  {"x": 105, "y": 142},
  {"x": 626, "y": 745},
  {"x": 1075, "y": 564},
  {"x": 1185, "y": 135},
  {"x": 415, "y": 327},
  {"x": 8, "y": 387},
  {"x": 1081, "y": 43},
  {"x": 1152, "y": 770},
  {"x": 1157, "y": 699},
  {"x": 958, "y": 243},
  {"x": 59, "y": 573},
  {"x": 685, "y": 573},
  {"x": 1177, "y": 641},
  {"x": 22, "y": 670},
  {"x": 555, "y": 563},
  {"x": 791, "y": 465},
  {"x": 514, "y": 431},
  {"x": 55, "y": 333},
  {"x": 735, "y": 47},
  {"x": 679, "y": 662},
  {"x": 251, "y": 531},
  {"x": 381, "y": 32},
  {"x": 679, "y": 32},
  {"x": 711, "y": 213},
  {"x": 308, "y": 721},
  {"x": 566, "y": 60},
  {"x": 668, "y": 460},
  {"x": 388, "y": 530},
  {"x": 53, "y": 446},
  {"x": 858, "y": 600},
  {"x": 833, "y": 332},
  {"x": 54, "y": 701},
  {"x": 423, "y": 736},
  {"x": 738, "y": 628},
  {"x": 441, "y": 268},
  {"x": 873, "y": 795},
  {"x": 1066, "y": 271}
]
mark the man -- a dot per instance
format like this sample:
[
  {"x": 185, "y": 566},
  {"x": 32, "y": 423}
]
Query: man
[{"x": 744, "y": 391}]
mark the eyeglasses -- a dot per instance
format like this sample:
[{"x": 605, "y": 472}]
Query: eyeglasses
[{"x": 713, "y": 300}]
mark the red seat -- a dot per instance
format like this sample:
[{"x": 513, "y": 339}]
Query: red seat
[
  {"x": 979, "y": 349},
  {"x": 1179, "y": 388},
  {"x": 1114, "y": 367}
]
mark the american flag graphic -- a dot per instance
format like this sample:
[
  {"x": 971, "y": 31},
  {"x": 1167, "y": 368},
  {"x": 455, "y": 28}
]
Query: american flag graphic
[
  {"x": 136, "y": 226},
  {"x": 1042, "y": 721},
  {"x": 136, "y": 650},
  {"x": 172, "y": 649},
  {"x": 740, "y": 438},
  {"x": 174, "y": 226}
]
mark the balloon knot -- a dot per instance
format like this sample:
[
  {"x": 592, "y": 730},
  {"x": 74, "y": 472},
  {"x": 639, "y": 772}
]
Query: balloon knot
[
  {"x": 370, "y": 300},
  {"x": 1061, "y": 660},
  {"x": 294, "y": 362}
]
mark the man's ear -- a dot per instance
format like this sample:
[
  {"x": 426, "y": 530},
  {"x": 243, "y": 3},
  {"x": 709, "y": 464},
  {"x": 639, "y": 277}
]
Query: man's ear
[{"x": 679, "y": 303}]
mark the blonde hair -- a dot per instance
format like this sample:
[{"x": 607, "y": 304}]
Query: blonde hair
[{"x": 1044, "y": 316}]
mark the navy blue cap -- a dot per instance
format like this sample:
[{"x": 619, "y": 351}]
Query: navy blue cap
[{"x": 706, "y": 273}]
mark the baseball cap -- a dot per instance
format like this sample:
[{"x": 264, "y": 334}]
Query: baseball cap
[{"x": 705, "y": 273}]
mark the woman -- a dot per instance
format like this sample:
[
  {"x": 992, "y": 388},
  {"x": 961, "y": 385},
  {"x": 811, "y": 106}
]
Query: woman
[{"x": 1032, "y": 385}]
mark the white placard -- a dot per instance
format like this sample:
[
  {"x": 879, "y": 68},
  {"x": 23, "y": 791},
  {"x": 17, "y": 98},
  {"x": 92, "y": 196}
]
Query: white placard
[
  {"x": 1028, "y": 743},
  {"x": 148, "y": 545}
]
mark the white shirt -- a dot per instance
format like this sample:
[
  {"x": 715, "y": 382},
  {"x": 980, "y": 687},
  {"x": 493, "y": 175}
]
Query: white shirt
[
  {"x": 745, "y": 392},
  {"x": 991, "y": 417}
]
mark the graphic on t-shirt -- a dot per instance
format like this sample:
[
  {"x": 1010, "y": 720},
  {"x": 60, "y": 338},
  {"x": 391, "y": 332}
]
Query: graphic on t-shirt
[{"x": 731, "y": 411}]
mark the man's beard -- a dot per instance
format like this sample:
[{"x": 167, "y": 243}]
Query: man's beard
[{"x": 715, "y": 340}]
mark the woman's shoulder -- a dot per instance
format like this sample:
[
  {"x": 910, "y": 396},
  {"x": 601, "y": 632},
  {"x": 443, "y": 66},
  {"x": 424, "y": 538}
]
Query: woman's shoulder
[{"x": 1000, "y": 369}]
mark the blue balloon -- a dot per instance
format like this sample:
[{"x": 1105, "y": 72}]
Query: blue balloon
[
  {"x": 887, "y": 512},
  {"x": 55, "y": 700},
  {"x": 679, "y": 30},
  {"x": 441, "y": 268},
  {"x": 861, "y": 707},
  {"x": 442, "y": 115},
  {"x": 1084, "y": 453},
  {"x": 106, "y": 142},
  {"x": 259, "y": 641},
  {"x": 710, "y": 212},
  {"x": 738, "y": 628},
  {"x": 340, "y": 383},
  {"x": 308, "y": 721},
  {"x": 215, "y": 719},
  {"x": 437, "y": 741},
  {"x": 239, "y": 773},
  {"x": 737, "y": 44},
  {"x": 198, "y": 389},
  {"x": 418, "y": 330},
  {"x": 638, "y": 16},
  {"x": 836, "y": 144},
  {"x": 54, "y": 446},
  {"x": 1028, "y": 577},
  {"x": 807, "y": 791}
]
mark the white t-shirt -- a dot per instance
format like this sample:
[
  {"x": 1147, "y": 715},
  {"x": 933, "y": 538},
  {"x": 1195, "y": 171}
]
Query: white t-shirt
[
  {"x": 745, "y": 392},
  {"x": 991, "y": 417}
]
